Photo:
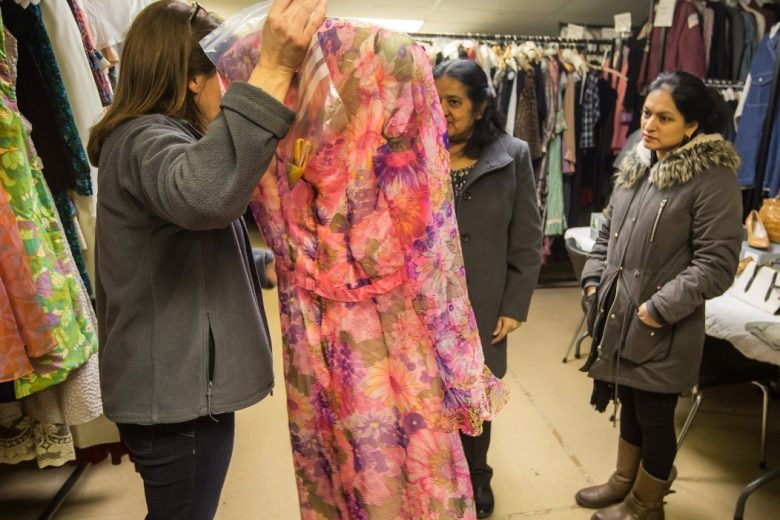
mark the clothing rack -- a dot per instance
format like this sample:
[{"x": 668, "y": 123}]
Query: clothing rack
[
  {"x": 56, "y": 502},
  {"x": 512, "y": 38},
  {"x": 724, "y": 83}
]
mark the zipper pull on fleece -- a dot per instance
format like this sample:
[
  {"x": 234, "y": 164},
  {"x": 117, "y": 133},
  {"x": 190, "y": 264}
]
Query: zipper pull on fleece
[{"x": 208, "y": 401}]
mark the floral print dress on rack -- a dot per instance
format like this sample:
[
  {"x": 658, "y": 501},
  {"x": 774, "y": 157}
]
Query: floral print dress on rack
[
  {"x": 58, "y": 288},
  {"x": 383, "y": 363}
]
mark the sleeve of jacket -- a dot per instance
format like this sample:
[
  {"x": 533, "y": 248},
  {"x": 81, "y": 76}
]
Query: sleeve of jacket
[
  {"x": 207, "y": 184},
  {"x": 524, "y": 254},
  {"x": 594, "y": 265},
  {"x": 717, "y": 236}
]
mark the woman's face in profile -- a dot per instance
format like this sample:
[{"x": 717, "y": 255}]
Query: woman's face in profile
[
  {"x": 458, "y": 109},
  {"x": 208, "y": 92},
  {"x": 663, "y": 126}
]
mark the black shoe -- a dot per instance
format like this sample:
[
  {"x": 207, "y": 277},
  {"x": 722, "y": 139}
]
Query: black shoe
[{"x": 483, "y": 498}]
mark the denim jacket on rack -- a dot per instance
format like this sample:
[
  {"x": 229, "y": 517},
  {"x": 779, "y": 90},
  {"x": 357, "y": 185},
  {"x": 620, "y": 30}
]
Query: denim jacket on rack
[{"x": 751, "y": 124}]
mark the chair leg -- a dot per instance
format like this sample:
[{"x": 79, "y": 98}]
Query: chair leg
[
  {"x": 764, "y": 417},
  {"x": 739, "y": 513},
  {"x": 697, "y": 397},
  {"x": 573, "y": 340},
  {"x": 577, "y": 352}
]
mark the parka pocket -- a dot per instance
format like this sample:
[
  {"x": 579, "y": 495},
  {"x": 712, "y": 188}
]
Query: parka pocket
[
  {"x": 645, "y": 343},
  {"x": 658, "y": 214}
]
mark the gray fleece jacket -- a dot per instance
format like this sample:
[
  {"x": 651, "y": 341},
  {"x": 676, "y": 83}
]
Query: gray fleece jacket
[{"x": 181, "y": 324}]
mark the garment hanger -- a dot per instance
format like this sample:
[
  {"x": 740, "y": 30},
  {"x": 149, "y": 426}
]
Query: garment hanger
[{"x": 608, "y": 70}]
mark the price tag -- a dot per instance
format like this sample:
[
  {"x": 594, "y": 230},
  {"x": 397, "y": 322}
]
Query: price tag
[
  {"x": 575, "y": 31},
  {"x": 623, "y": 23},
  {"x": 664, "y": 13}
]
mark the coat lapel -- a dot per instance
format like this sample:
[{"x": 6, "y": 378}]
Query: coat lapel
[{"x": 492, "y": 158}]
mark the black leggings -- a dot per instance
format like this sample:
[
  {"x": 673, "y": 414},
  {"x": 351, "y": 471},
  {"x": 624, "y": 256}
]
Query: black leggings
[{"x": 647, "y": 420}]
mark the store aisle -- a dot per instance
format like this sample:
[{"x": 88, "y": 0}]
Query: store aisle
[{"x": 547, "y": 444}]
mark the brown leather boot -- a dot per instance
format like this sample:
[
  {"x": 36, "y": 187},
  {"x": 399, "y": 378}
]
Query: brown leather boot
[
  {"x": 644, "y": 502},
  {"x": 619, "y": 483}
]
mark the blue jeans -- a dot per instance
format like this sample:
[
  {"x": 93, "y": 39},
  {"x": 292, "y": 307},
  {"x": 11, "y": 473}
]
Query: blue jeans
[{"x": 183, "y": 465}]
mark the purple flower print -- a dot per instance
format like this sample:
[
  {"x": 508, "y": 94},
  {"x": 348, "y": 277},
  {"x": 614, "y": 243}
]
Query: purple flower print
[{"x": 414, "y": 422}]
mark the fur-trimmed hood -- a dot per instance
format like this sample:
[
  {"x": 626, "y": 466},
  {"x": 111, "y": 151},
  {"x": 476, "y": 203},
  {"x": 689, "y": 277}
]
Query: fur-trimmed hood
[{"x": 701, "y": 154}]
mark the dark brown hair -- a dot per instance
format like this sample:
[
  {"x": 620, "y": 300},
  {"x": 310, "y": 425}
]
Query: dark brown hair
[
  {"x": 694, "y": 100},
  {"x": 475, "y": 81},
  {"x": 161, "y": 54}
]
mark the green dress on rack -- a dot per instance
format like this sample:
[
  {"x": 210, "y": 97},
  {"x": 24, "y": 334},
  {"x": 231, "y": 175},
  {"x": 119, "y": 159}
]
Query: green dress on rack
[{"x": 56, "y": 279}]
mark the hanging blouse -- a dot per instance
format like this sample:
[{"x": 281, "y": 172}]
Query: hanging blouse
[
  {"x": 52, "y": 142},
  {"x": 38, "y": 65},
  {"x": 459, "y": 178},
  {"x": 95, "y": 58},
  {"x": 527, "y": 114},
  {"x": 24, "y": 329},
  {"x": 110, "y": 19},
  {"x": 53, "y": 272}
]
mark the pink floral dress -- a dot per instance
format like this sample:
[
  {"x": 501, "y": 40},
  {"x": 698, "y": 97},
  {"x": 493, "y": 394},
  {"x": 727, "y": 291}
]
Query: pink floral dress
[{"x": 383, "y": 362}]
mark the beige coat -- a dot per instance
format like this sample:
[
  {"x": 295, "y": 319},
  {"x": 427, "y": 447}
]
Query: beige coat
[{"x": 671, "y": 239}]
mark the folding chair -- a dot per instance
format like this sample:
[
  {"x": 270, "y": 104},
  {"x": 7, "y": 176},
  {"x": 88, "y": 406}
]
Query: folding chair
[
  {"x": 722, "y": 365},
  {"x": 577, "y": 257}
]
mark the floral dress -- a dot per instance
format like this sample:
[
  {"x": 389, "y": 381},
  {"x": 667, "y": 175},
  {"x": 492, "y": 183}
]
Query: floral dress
[
  {"x": 382, "y": 357},
  {"x": 58, "y": 288}
]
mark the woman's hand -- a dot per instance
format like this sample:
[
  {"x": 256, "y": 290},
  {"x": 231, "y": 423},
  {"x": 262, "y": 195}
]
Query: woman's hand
[
  {"x": 287, "y": 33},
  {"x": 504, "y": 326},
  {"x": 646, "y": 318},
  {"x": 590, "y": 290}
]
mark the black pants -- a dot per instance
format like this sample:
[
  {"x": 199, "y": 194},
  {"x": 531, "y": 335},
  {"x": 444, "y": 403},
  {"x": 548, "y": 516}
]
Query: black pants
[
  {"x": 476, "y": 449},
  {"x": 647, "y": 420},
  {"x": 183, "y": 465}
]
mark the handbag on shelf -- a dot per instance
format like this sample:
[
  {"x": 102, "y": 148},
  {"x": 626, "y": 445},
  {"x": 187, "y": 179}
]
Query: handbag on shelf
[
  {"x": 758, "y": 285},
  {"x": 770, "y": 216}
]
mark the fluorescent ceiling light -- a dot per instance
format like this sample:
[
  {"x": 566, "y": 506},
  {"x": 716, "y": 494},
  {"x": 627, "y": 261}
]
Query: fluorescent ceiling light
[{"x": 394, "y": 24}]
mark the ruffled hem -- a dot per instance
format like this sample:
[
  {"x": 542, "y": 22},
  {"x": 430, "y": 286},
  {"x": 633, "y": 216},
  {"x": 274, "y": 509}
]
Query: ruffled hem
[{"x": 468, "y": 410}]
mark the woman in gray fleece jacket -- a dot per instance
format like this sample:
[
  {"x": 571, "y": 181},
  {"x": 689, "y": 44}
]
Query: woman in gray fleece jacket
[{"x": 183, "y": 337}]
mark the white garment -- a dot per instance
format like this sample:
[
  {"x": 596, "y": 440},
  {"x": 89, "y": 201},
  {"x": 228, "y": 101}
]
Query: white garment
[
  {"x": 74, "y": 401},
  {"x": 22, "y": 438},
  {"x": 726, "y": 318},
  {"x": 511, "y": 112},
  {"x": 85, "y": 103},
  {"x": 110, "y": 19}
]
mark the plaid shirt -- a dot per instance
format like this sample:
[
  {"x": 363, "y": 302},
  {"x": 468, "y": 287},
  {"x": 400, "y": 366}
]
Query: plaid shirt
[{"x": 591, "y": 112}]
